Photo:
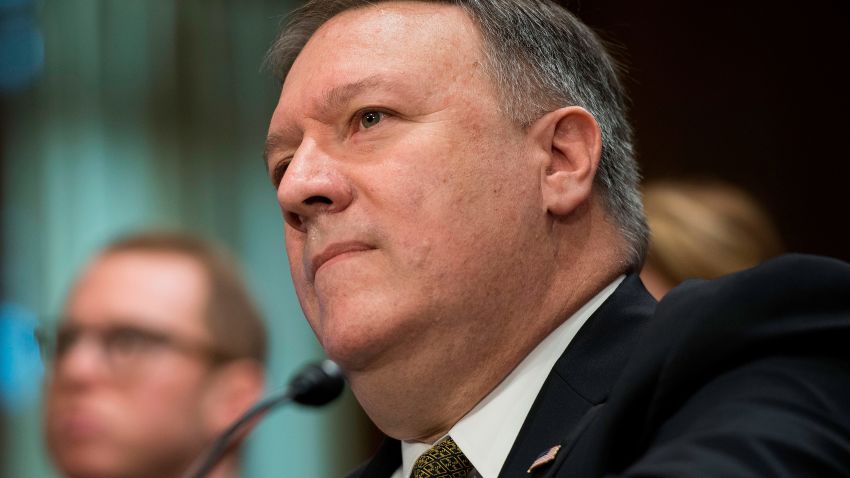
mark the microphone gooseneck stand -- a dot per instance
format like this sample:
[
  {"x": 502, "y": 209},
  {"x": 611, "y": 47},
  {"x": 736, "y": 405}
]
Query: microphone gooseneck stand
[{"x": 314, "y": 385}]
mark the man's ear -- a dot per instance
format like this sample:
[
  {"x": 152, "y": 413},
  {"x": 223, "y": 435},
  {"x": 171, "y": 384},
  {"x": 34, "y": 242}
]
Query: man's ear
[
  {"x": 572, "y": 142},
  {"x": 234, "y": 387}
]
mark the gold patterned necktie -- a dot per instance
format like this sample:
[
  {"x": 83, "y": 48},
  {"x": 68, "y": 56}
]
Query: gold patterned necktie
[{"x": 443, "y": 460}]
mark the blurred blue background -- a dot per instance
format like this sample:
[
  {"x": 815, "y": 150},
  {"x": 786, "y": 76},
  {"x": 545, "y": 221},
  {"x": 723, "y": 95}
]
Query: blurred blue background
[{"x": 120, "y": 115}]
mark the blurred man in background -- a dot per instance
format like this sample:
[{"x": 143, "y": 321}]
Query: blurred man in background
[{"x": 158, "y": 350}]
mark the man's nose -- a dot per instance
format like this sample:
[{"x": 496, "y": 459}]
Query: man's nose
[
  {"x": 83, "y": 363},
  {"x": 314, "y": 184}
]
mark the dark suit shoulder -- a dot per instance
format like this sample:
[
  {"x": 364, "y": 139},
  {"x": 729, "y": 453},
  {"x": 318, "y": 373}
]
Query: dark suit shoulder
[
  {"x": 794, "y": 282},
  {"x": 357, "y": 472},
  {"x": 792, "y": 305},
  {"x": 728, "y": 367},
  {"x": 776, "y": 416}
]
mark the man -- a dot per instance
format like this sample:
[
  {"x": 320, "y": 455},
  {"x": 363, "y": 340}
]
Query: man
[
  {"x": 159, "y": 350},
  {"x": 464, "y": 232}
]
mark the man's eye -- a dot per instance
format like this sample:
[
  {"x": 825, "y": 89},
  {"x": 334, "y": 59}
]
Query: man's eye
[
  {"x": 65, "y": 340},
  {"x": 370, "y": 118},
  {"x": 129, "y": 341}
]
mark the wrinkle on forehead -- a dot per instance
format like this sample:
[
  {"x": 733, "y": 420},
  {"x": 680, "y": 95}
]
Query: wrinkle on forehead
[
  {"x": 399, "y": 35},
  {"x": 404, "y": 30}
]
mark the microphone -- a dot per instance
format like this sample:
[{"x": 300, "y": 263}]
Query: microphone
[{"x": 316, "y": 384}]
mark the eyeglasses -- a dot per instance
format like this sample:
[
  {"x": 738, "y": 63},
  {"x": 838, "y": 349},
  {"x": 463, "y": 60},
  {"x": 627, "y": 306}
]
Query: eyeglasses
[{"x": 125, "y": 347}]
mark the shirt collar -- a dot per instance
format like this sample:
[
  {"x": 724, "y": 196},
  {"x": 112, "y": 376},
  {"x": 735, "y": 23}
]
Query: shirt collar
[{"x": 487, "y": 433}]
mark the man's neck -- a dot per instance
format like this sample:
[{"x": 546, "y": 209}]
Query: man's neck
[{"x": 421, "y": 400}]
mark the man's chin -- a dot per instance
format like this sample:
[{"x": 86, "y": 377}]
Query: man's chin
[
  {"x": 360, "y": 352},
  {"x": 92, "y": 458},
  {"x": 355, "y": 355},
  {"x": 88, "y": 464},
  {"x": 353, "y": 336}
]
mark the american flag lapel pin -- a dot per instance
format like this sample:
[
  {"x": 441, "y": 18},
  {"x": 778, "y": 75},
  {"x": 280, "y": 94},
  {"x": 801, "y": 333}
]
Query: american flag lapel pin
[{"x": 545, "y": 458}]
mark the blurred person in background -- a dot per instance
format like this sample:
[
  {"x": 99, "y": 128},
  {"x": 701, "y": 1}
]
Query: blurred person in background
[
  {"x": 703, "y": 229},
  {"x": 158, "y": 350}
]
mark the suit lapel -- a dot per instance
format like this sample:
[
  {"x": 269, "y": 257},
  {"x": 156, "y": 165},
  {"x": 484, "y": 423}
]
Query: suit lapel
[
  {"x": 578, "y": 385},
  {"x": 385, "y": 462}
]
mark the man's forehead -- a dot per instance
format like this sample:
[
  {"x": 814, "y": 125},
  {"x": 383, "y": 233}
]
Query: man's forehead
[
  {"x": 139, "y": 286},
  {"x": 395, "y": 30},
  {"x": 144, "y": 265},
  {"x": 398, "y": 13}
]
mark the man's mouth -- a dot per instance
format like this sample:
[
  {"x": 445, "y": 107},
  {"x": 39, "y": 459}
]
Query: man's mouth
[
  {"x": 79, "y": 426},
  {"x": 333, "y": 253}
]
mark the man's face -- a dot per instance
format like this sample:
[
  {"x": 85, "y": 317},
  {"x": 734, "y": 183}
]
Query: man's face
[
  {"x": 411, "y": 202},
  {"x": 129, "y": 372}
]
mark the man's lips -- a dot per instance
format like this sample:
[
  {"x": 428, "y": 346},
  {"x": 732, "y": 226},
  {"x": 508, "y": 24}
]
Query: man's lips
[
  {"x": 78, "y": 425},
  {"x": 332, "y": 252}
]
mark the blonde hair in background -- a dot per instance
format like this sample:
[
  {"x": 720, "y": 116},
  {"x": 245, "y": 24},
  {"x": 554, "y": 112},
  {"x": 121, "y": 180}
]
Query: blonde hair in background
[{"x": 705, "y": 229}]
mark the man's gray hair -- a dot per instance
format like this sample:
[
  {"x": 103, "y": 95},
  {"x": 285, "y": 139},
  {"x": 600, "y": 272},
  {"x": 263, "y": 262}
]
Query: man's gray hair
[{"x": 541, "y": 58}]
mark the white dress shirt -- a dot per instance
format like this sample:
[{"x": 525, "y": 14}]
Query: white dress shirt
[{"x": 487, "y": 433}]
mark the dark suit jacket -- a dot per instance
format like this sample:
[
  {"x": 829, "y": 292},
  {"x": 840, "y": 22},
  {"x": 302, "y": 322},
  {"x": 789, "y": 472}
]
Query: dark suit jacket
[{"x": 744, "y": 376}]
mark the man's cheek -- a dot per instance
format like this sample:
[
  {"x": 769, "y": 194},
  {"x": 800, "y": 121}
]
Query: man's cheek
[
  {"x": 296, "y": 265},
  {"x": 309, "y": 303}
]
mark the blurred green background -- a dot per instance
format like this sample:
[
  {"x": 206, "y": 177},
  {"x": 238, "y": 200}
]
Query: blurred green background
[{"x": 119, "y": 115}]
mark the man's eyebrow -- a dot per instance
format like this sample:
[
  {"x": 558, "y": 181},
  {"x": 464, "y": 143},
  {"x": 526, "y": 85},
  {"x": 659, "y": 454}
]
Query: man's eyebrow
[
  {"x": 340, "y": 95},
  {"x": 331, "y": 99}
]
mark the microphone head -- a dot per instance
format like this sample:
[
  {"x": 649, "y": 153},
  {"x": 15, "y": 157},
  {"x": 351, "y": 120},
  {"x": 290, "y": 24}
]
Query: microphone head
[{"x": 317, "y": 383}]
